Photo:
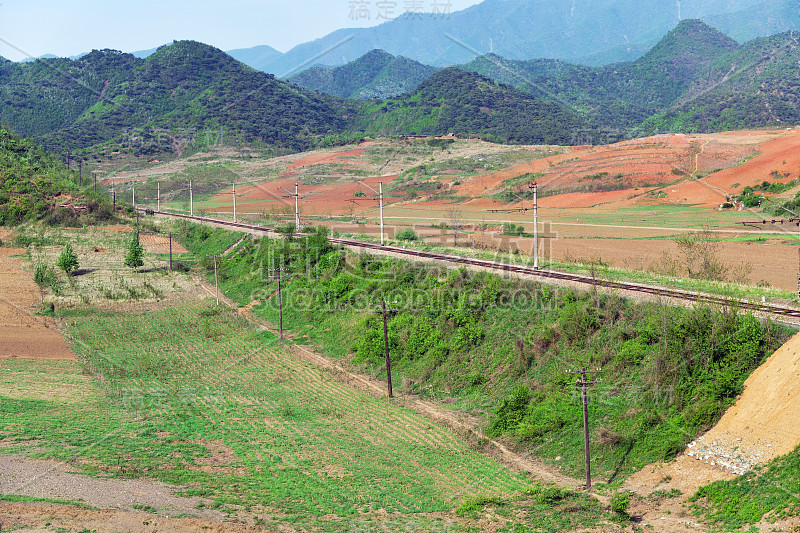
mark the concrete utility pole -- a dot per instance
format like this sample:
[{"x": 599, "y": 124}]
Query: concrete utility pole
[
  {"x": 380, "y": 200},
  {"x": 535, "y": 188},
  {"x": 380, "y": 197},
  {"x": 133, "y": 192},
  {"x": 297, "y": 207},
  {"x": 191, "y": 200},
  {"x": 94, "y": 175},
  {"x": 170, "y": 252},
  {"x": 296, "y": 195},
  {"x": 158, "y": 196},
  {"x": 585, "y": 398},
  {"x": 234, "y": 201}
]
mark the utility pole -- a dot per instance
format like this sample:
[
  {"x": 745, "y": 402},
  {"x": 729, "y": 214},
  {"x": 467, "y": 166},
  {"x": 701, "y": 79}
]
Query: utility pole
[
  {"x": 133, "y": 192},
  {"x": 380, "y": 196},
  {"x": 585, "y": 398},
  {"x": 216, "y": 283},
  {"x": 170, "y": 252},
  {"x": 158, "y": 196},
  {"x": 94, "y": 175},
  {"x": 535, "y": 188},
  {"x": 296, "y": 195},
  {"x": 297, "y": 207},
  {"x": 234, "y": 202},
  {"x": 80, "y": 172},
  {"x": 191, "y": 200},
  {"x": 280, "y": 303},
  {"x": 386, "y": 350},
  {"x": 380, "y": 200}
]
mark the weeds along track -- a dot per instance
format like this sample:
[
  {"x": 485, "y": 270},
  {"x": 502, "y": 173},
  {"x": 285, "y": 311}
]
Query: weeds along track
[
  {"x": 272, "y": 430},
  {"x": 782, "y": 314}
]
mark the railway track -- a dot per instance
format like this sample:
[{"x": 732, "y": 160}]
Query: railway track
[{"x": 774, "y": 311}]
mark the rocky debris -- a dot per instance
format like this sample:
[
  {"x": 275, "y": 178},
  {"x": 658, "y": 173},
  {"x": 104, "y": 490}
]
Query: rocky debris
[{"x": 730, "y": 455}]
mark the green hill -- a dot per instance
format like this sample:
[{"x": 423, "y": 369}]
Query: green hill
[
  {"x": 454, "y": 101},
  {"x": 755, "y": 85},
  {"x": 695, "y": 79},
  {"x": 182, "y": 89},
  {"x": 623, "y": 94},
  {"x": 376, "y": 74}
]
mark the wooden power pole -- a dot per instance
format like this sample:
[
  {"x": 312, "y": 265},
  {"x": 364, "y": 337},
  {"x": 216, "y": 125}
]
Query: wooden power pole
[
  {"x": 280, "y": 303},
  {"x": 583, "y": 384},
  {"x": 386, "y": 350}
]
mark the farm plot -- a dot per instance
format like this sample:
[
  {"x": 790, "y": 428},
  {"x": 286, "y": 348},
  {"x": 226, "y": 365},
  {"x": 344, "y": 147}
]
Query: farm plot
[{"x": 195, "y": 397}]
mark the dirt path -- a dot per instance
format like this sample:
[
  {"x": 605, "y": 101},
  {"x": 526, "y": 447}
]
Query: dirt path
[
  {"x": 50, "y": 479},
  {"x": 49, "y": 517},
  {"x": 23, "y": 335}
]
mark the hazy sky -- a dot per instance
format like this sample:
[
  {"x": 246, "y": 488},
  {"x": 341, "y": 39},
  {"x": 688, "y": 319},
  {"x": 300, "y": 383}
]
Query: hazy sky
[{"x": 64, "y": 28}]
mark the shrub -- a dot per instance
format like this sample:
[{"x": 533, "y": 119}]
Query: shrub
[
  {"x": 406, "y": 234},
  {"x": 68, "y": 260},
  {"x": 619, "y": 504}
]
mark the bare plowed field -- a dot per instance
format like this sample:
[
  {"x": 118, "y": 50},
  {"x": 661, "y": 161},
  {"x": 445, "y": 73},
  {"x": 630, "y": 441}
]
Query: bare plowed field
[{"x": 23, "y": 335}]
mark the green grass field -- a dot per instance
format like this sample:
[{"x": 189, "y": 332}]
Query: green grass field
[{"x": 196, "y": 396}]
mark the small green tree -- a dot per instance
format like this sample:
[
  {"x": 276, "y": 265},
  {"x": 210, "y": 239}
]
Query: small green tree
[
  {"x": 135, "y": 256},
  {"x": 68, "y": 260},
  {"x": 406, "y": 234}
]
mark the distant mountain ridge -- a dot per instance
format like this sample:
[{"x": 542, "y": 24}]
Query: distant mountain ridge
[
  {"x": 376, "y": 74},
  {"x": 591, "y": 32},
  {"x": 659, "y": 91},
  {"x": 695, "y": 79}
]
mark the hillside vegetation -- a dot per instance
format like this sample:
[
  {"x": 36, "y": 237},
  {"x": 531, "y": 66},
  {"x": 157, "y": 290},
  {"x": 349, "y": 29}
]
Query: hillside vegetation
[
  {"x": 181, "y": 90},
  {"x": 454, "y": 101},
  {"x": 189, "y": 96},
  {"x": 376, "y": 74},
  {"x": 35, "y": 185},
  {"x": 696, "y": 79},
  {"x": 501, "y": 346}
]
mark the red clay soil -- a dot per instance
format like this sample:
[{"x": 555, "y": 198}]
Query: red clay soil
[
  {"x": 23, "y": 335},
  {"x": 781, "y": 155},
  {"x": 322, "y": 159},
  {"x": 328, "y": 199}
]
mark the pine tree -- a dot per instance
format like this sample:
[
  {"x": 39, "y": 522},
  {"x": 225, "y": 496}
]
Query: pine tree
[
  {"x": 68, "y": 260},
  {"x": 135, "y": 256}
]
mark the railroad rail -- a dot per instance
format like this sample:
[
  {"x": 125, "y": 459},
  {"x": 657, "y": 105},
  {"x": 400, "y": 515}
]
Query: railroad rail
[{"x": 768, "y": 309}]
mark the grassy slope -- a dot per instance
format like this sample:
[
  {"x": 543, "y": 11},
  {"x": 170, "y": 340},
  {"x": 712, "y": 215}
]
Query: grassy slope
[
  {"x": 194, "y": 395},
  {"x": 502, "y": 346}
]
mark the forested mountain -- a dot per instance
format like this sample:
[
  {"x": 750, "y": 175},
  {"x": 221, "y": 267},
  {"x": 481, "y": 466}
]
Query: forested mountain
[
  {"x": 185, "y": 86},
  {"x": 455, "y": 101},
  {"x": 590, "y": 32},
  {"x": 757, "y": 84},
  {"x": 376, "y": 74},
  {"x": 695, "y": 79}
]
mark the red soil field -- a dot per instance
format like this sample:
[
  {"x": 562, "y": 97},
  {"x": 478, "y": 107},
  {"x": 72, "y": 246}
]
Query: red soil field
[
  {"x": 23, "y": 335},
  {"x": 322, "y": 159}
]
